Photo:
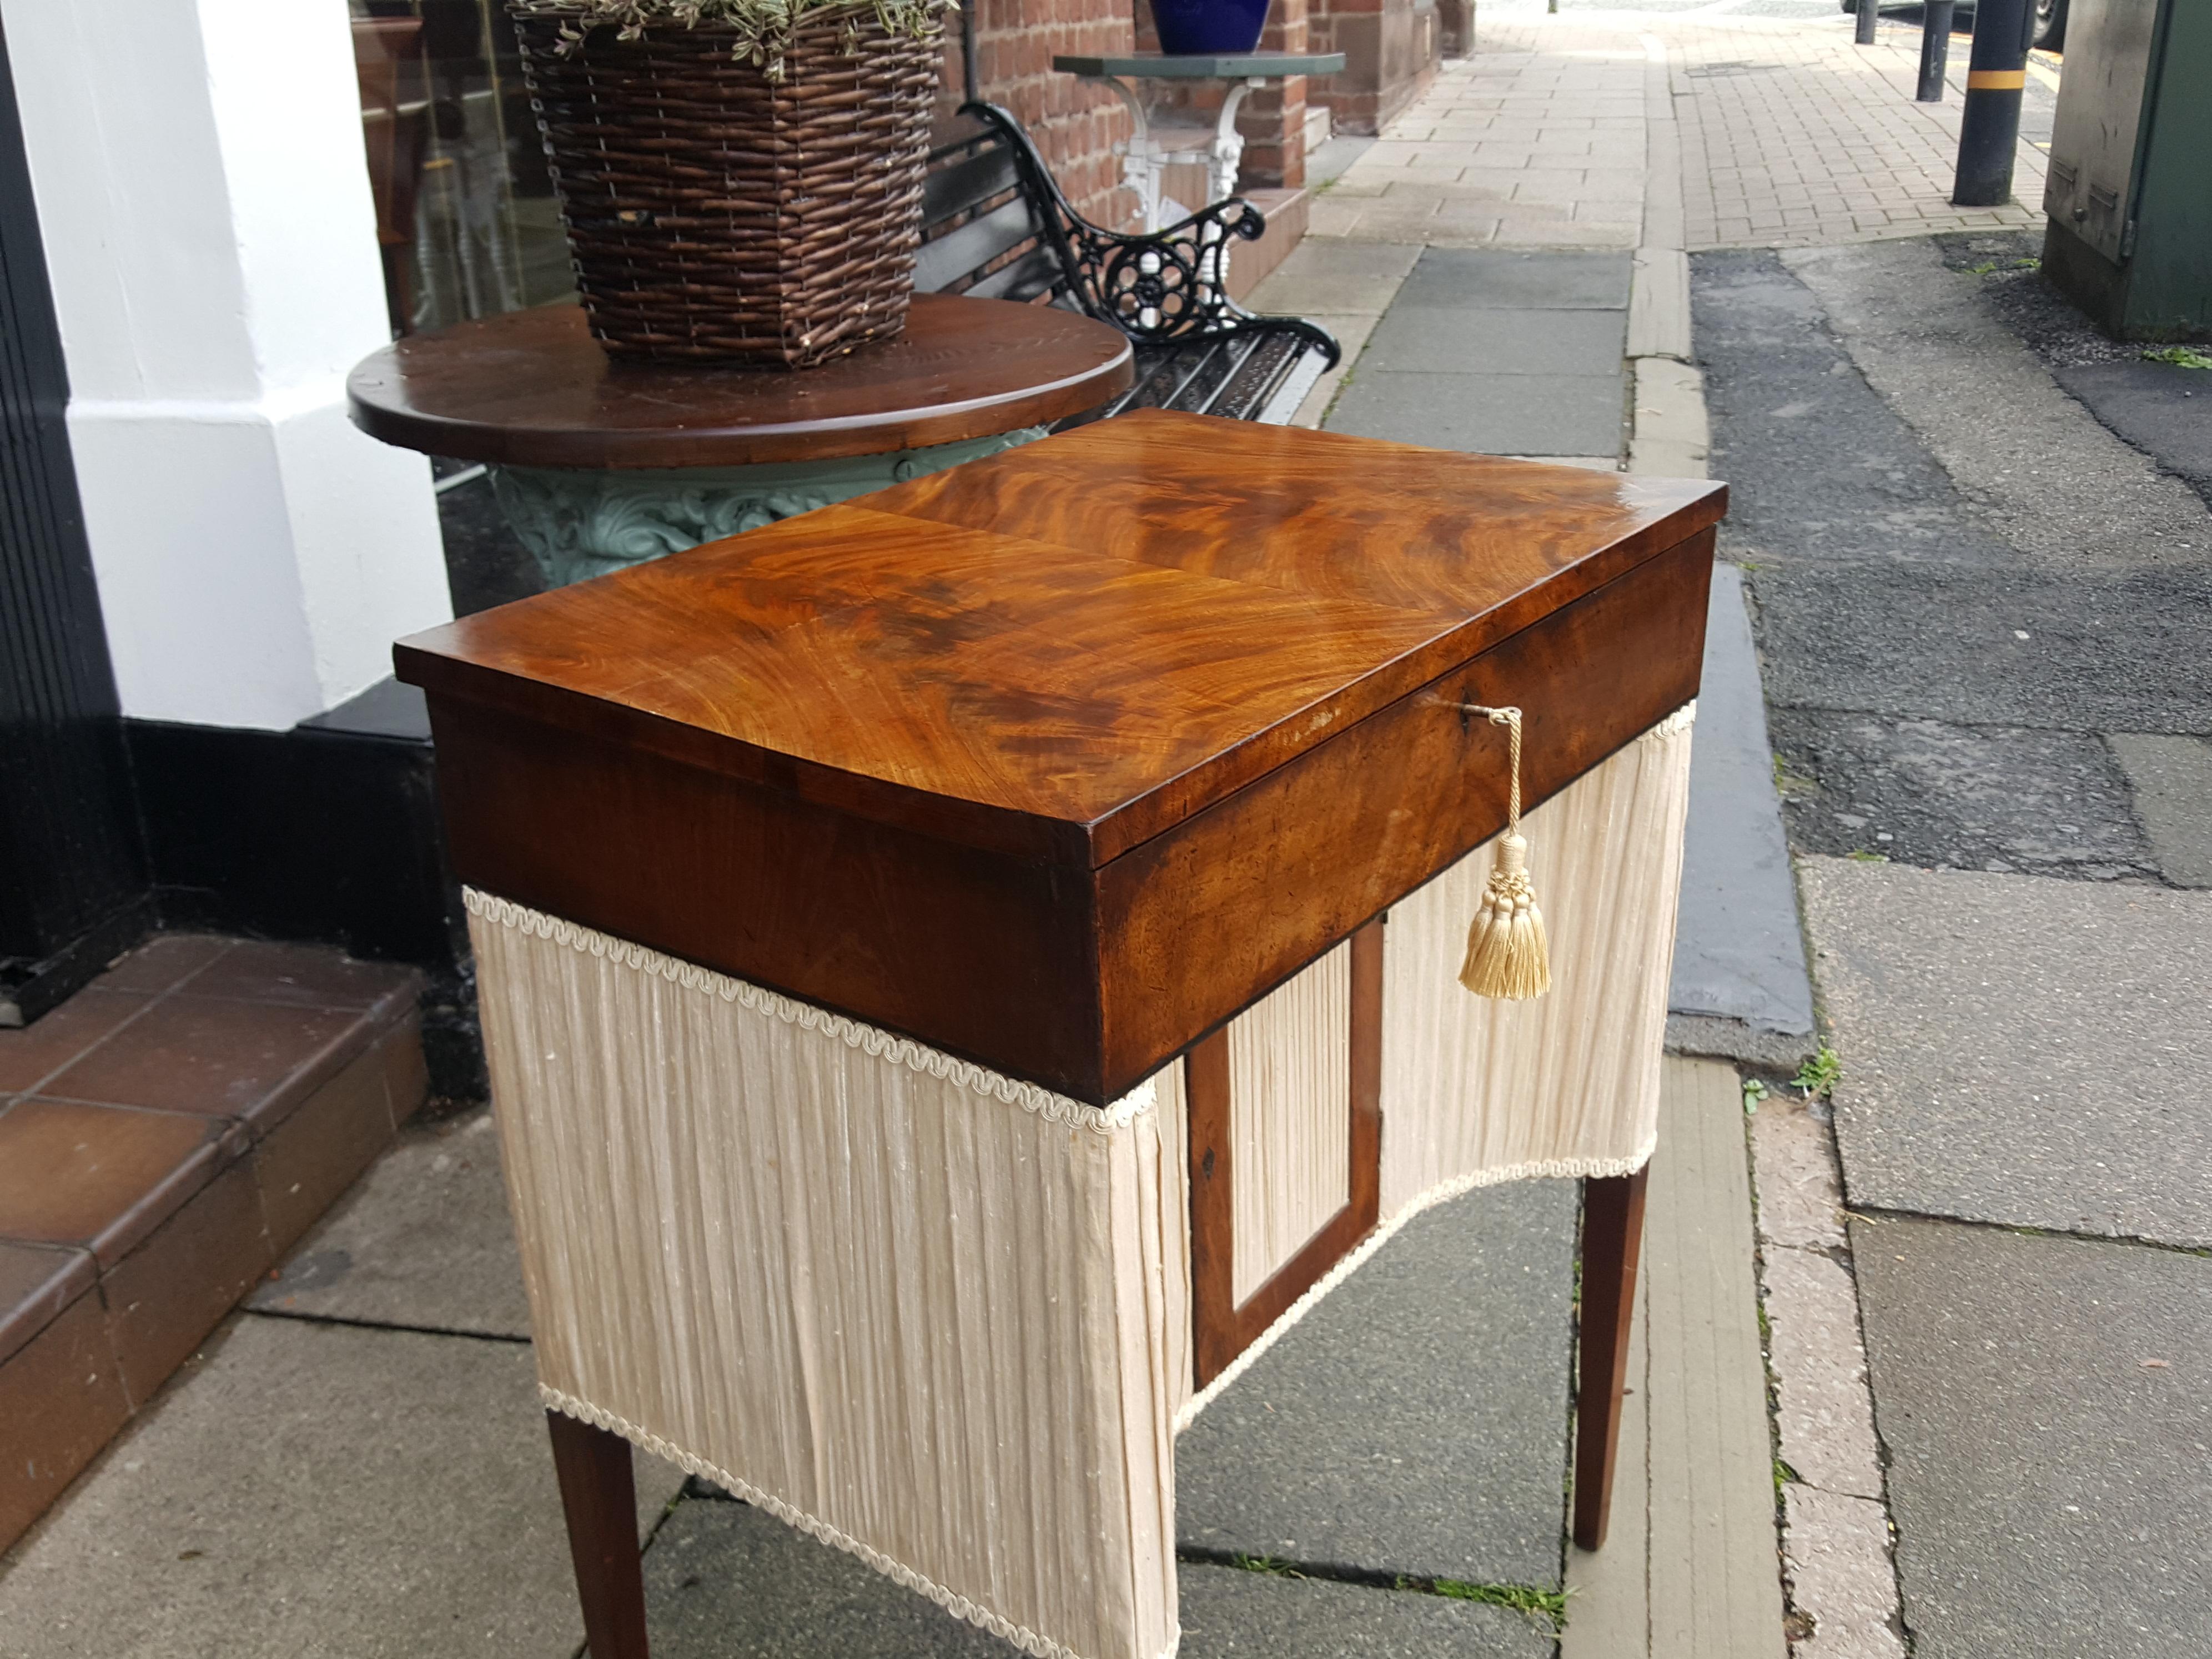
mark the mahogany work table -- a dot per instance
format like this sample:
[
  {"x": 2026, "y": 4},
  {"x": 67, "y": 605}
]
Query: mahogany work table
[
  {"x": 964, "y": 971},
  {"x": 599, "y": 463}
]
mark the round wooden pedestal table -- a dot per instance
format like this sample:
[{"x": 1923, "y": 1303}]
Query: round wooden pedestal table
[{"x": 599, "y": 463}]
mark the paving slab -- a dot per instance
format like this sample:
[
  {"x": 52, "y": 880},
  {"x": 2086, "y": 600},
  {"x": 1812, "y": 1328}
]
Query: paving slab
[
  {"x": 1801, "y": 1199},
  {"x": 1824, "y": 1421},
  {"x": 2047, "y": 1406},
  {"x": 2000, "y": 798},
  {"x": 1486, "y": 414},
  {"x": 2017, "y": 1049},
  {"x": 1714, "y": 1589},
  {"x": 1659, "y": 304},
  {"x": 727, "y": 1581},
  {"x": 1488, "y": 278},
  {"x": 1672, "y": 436},
  {"x": 724, "y": 1580},
  {"x": 1415, "y": 1421},
  {"x": 1738, "y": 955},
  {"x": 1609, "y": 1590},
  {"x": 1990, "y": 645},
  {"x": 2171, "y": 778},
  {"x": 1335, "y": 276},
  {"x": 1351, "y": 330},
  {"x": 1417, "y": 338},
  {"x": 306, "y": 1488},
  {"x": 1257, "y": 1616},
  {"x": 423, "y": 1241},
  {"x": 1835, "y": 1551}
]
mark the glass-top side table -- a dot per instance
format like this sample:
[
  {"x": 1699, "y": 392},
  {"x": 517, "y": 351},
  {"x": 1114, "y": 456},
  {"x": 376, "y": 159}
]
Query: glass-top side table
[{"x": 1144, "y": 160}]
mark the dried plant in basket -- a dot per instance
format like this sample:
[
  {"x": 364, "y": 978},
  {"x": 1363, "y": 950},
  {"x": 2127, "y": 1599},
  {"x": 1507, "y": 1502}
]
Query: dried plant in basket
[
  {"x": 740, "y": 179},
  {"x": 758, "y": 30}
]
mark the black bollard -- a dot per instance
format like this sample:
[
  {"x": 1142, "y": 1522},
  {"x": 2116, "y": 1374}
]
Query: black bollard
[
  {"x": 1934, "y": 50},
  {"x": 1989, "y": 126},
  {"x": 1869, "y": 13}
]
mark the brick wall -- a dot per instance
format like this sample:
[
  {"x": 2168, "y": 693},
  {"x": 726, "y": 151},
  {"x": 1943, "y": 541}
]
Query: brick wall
[
  {"x": 1274, "y": 119},
  {"x": 1075, "y": 124},
  {"x": 1391, "y": 48}
]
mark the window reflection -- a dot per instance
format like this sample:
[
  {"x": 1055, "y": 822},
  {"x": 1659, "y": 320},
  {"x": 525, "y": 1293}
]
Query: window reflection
[{"x": 465, "y": 210}]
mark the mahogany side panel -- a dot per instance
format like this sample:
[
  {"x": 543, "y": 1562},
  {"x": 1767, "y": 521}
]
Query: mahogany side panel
[
  {"x": 983, "y": 956},
  {"x": 1221, "y": 1328},
  {"x": 1204, "y": 919}
]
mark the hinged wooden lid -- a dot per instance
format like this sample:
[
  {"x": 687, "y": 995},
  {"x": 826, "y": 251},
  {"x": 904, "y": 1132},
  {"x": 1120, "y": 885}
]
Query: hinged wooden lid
[{"x": 1066, "y": 650}]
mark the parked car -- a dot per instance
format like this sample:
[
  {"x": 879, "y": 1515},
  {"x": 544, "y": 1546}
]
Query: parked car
[{"x": 2050, "y": 20}]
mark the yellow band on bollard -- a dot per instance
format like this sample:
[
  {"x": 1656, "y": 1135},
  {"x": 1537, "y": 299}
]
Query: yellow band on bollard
[{"x": 1996, "y": 80}]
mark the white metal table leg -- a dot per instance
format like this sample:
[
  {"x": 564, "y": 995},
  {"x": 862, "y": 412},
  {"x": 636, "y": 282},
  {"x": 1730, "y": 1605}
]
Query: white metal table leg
[
  {"x": 1142, "y": 162},
  {"x": 1228, "y": 142}
]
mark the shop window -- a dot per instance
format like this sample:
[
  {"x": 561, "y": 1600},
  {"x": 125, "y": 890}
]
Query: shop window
[{"x": 466, "y": 213}]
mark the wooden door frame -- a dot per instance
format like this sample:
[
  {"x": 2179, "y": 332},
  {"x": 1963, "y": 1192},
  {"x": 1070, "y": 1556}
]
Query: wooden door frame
[{"x": 1221, "y": 1328}]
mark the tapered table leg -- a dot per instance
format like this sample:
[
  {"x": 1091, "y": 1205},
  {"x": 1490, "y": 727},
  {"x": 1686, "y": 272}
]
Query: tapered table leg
[
  {"x": 600, "y": 1500},
  {"x": 1612, "y": 1238}
]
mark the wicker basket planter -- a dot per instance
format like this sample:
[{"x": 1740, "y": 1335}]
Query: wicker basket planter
[{"x": 716, "y": 214}]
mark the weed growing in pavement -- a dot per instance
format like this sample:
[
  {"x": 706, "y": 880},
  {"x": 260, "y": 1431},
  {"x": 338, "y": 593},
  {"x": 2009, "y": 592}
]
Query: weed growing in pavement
[
  {"x": 1754, "y": 1090},
  {"x": 1819, "y": 1076},
  {"x": 1783, "y": 1475},
  {"x": 1267, "y": 1564},
  {"x": 1995, "y": 265},
  {"x": 1522, "y": 1598},
  {"x": 1865, "y": 857},
  {"x": 2179, "y": 356}
]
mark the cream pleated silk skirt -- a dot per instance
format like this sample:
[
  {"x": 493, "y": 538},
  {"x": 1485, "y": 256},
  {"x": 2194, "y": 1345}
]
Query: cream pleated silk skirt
[{"x": 941, "y": 1318}]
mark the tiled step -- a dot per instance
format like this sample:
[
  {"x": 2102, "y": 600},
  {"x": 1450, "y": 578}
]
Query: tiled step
[
  {"x": 1253, "y": 262},
  {"x": 166, "y": 1135}
]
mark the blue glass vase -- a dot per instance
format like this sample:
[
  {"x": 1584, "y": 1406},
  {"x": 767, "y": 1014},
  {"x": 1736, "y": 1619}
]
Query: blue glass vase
[{"x": 1196, "y": 28}]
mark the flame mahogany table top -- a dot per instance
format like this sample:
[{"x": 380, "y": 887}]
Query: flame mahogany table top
[
  {"x": 533, "y": 388},
  {"x": 1058, "y": 758}
]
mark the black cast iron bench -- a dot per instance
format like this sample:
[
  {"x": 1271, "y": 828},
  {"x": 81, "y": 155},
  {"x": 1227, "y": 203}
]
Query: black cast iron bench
[{"x": 996, "y": 225}]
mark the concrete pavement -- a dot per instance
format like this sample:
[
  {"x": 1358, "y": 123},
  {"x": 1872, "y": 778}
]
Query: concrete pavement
[{"x": 1982, "y": 618}]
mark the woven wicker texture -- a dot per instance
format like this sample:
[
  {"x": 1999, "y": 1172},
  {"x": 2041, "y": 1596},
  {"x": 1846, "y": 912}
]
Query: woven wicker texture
[{"x": 718, "y": 215}]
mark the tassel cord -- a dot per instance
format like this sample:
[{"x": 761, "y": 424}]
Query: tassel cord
[{"x": 1507, "y": 953}]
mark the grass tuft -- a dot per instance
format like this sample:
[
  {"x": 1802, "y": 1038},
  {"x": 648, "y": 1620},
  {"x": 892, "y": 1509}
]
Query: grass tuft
[
  {"x": 1818, "y": 1077},
  {"x": 2178, "y": 356},
  {"x": 1550, "y": 1606}
]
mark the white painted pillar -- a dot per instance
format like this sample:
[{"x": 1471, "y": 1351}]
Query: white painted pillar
[{"x": 206, "y": 207}]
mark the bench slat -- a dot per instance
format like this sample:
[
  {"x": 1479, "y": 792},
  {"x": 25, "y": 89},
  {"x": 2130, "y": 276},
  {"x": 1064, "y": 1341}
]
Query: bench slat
[
  {"x": 976, "y": 244},
  {"x": 959, "y": 186},
  {"x": 1033, "y": 273}
]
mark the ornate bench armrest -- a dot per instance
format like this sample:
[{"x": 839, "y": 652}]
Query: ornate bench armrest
[{"x": 1158, "y": 287}]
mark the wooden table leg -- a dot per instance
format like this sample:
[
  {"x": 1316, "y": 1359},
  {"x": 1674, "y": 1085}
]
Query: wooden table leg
[
  {"x": 1612, "y": 1238},
  {"x": 600, "y": 1500}
]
